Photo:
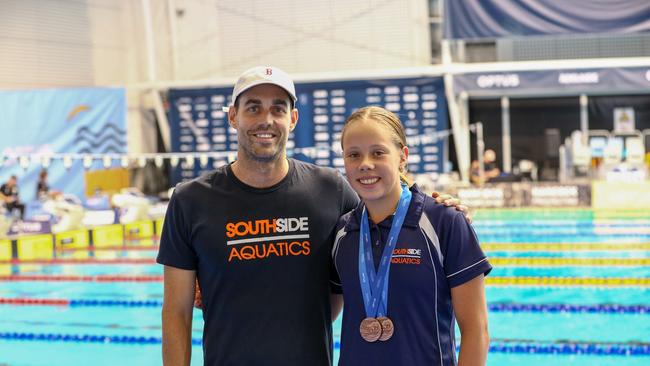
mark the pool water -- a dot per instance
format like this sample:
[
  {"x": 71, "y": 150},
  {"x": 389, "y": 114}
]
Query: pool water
[{"x": 108, "y": 323}]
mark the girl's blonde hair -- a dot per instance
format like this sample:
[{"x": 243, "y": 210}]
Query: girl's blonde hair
[{"x": 386, "y": 118}]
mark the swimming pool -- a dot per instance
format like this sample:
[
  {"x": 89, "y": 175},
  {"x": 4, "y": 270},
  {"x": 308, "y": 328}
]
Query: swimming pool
[{"x": 568, "y": 288}]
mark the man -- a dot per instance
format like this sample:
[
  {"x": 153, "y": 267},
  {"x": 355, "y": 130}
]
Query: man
[
  {"x": 490, "y": 170},
  {"x": 43, "y": 191},
  {"x": 257, "y": 234},
  {"x": 9, "y": 194}
]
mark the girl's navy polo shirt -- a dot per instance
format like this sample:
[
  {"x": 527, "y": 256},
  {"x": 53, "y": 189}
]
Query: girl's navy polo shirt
[{"x": 436, "y": 250}]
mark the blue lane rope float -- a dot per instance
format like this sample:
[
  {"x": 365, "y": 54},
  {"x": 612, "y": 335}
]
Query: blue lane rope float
[
  {"x": 569, "y": 308},
  {"x": 115, "y": 303},
  {"x": 571, "y": 348},
  {"x": 85, "y": 338},
  {"x": 496, "y": 346}
]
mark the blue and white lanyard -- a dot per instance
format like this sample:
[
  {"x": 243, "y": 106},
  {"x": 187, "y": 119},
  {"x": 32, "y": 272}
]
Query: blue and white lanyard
[{"x": 375, "y": 283}]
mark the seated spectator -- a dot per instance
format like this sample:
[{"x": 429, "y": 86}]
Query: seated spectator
[
  {"x": 475, "y": 173},
  {"x": 490, "y": 169},
  {"x": 9, "y": 195},
  {"x": 43, "y": 191}
]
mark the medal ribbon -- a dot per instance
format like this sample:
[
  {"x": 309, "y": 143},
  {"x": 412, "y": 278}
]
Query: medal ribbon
[{"x": 374, "y": 285}]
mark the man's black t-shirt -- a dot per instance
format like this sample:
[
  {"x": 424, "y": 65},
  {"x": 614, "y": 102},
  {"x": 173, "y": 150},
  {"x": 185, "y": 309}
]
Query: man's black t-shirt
[
  {"x": 8, "y": 191},
  {"x": 11, "y": 192},
  {"x": 490, "y": 167},
  {"x": 262, "y": 258}
]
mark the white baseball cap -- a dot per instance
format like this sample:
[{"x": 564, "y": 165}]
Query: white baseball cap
[{"x": 264, "y": 75}]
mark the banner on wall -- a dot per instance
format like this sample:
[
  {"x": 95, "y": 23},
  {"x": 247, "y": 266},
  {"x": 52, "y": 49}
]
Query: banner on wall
[
  {"x": 41, "y": 122},
  {"x": 526, "y": 194},
  {"x": 489, "y": 19},
  {"x": 533, "y": 82},
  {"x": 198, "y": 122}
]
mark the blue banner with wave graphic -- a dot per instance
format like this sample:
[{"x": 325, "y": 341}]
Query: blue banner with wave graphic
[{"x": 76, "y": 121}]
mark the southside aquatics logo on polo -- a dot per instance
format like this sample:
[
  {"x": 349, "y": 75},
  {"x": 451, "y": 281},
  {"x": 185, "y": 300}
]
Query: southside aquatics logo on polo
[{"x": 264, "y": 238}]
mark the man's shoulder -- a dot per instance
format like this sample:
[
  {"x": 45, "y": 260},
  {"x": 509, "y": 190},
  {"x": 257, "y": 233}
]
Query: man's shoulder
[
  {"x": 306, "y": 170},
  {"x": 200, "y": 183}
]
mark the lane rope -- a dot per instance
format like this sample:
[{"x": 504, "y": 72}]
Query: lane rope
[
  {"x": 563, "y": 247},
  {"x": 490, "y": 280},
  {"x": 73, "y": 278},
  {"x": 571, "y": 348},
  {"x": 111, "y": 248},
  {"x": 80, "y": 261},
  {"x": 566, "y": 262},
  {"x": 569, "y": 308},
  {"x": 493, "y": 307},
  {"x": 567, "y": 281},
  {"x": 496, "y": 346}
]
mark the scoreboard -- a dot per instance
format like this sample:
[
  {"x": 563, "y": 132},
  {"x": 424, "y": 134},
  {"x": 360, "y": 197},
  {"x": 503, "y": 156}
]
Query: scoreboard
[{"x": 199, "y": 124}]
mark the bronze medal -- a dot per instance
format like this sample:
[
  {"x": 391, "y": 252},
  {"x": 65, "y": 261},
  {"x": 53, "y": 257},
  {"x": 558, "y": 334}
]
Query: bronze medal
[
  {"x": 387, "y": 328},
  {"x": 370, "y": 329}
]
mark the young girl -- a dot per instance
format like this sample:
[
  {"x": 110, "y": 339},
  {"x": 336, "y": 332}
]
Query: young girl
[{"x": 408, "y": 266}]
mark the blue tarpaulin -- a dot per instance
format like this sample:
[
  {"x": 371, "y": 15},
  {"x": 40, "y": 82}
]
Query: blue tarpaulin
[
  {"x": 555, "y": 82},
  {"x": 489, "y": 19}
]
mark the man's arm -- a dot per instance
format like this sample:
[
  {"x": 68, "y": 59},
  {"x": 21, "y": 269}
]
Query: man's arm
[
  {"x": 470, "y": 308},
  {"x": 177, "y": 316},
  {"x": 336, "y": 303}
]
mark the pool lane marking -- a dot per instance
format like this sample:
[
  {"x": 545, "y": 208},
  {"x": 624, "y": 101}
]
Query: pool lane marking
[
  {"x": 568, "y": 281},
  {"x": 33, "y": 301},
  {"x": 493, "y": 307},
  {"x": 109, "y": 248},
  {"x": 80, "y": 261},
  {"x": 496, "y": 345},
  {"x": 490, "y": 280},
  {"x": 563, "y": 247},
  {"x": 73, "y": 278},
  {"x": 568, "y": 262},
  {"x": 496, "y": 261}
]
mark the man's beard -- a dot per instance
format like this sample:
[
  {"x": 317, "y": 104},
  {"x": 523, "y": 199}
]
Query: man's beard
[{"x": 249, "y": 152}]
